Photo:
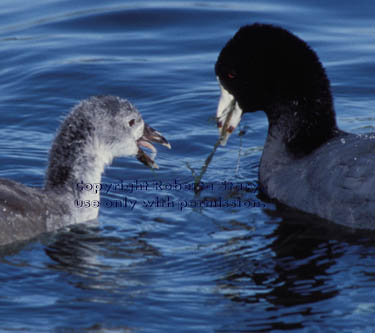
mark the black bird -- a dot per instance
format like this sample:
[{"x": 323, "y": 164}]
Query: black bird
[{"x": 307, "y": 163}]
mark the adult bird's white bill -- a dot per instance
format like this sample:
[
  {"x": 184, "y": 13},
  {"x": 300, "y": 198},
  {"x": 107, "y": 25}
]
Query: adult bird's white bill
[{"x": 228, "y": 115}]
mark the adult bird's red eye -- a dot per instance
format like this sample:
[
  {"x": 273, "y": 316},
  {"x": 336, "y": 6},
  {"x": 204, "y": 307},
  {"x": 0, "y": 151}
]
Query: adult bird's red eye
[
  {"x": 231, "y": 75},
  {"x": 131, "y": 122}
]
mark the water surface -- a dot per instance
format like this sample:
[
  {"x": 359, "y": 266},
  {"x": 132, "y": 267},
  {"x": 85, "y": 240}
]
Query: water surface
[{"x": 185, "y": 268}]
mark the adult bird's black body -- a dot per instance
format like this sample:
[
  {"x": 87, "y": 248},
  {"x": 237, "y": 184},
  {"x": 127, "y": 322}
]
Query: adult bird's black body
[{"x": 307, "y": 162}]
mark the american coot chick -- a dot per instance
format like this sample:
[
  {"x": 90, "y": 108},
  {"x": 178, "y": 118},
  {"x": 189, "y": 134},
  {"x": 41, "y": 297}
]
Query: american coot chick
[
  {"x": 307, "y": 162},
  {"x": 96, "y": 131}
]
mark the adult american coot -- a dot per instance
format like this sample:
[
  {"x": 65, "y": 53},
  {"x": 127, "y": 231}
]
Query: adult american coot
[
  {"x": 96, "y": 131},
  {"x": 307, "y": 163}
]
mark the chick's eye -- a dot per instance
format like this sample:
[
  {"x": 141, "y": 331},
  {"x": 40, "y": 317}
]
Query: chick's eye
[{"x": 131, "y": 122}]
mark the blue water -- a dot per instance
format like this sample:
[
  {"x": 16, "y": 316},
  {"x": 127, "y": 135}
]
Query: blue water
[{"x": 182, "y": 269}]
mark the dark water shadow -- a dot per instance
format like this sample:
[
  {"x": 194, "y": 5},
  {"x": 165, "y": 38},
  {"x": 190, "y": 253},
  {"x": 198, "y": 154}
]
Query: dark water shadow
[
  {"x": 95, "y": 259},
  {"x": 291, "y": 272}
]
